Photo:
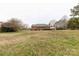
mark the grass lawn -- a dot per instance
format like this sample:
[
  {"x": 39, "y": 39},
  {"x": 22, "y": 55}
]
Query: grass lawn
[{"x": 40, "y": 43}]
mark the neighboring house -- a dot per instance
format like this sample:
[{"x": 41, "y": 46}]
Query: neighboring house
[{"x": 40, "y": 27}]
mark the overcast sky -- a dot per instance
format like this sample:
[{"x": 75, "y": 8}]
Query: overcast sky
[{"x": 35, "y": 11}]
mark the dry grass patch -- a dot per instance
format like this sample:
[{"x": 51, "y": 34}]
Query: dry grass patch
[{"x": 40, "y": 43}]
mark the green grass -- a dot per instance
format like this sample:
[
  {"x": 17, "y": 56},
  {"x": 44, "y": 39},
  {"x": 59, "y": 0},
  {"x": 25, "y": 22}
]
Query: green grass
[{"x": 40, "y": 43}]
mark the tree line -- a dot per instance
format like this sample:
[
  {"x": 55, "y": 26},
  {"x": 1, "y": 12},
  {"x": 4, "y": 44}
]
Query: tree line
[{"x": 72, "y": 23}]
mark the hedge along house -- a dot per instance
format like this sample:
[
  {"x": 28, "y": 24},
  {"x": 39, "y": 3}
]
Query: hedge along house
[{"x": 40, "y": 27}]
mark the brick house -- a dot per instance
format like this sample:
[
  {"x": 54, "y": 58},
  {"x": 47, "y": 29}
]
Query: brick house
[{"x": 40, "y": 27}]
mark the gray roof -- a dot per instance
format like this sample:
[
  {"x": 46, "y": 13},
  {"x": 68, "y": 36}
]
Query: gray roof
[{"x": 40, "y": 25}]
